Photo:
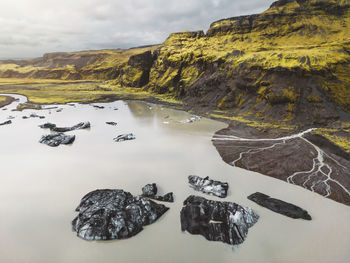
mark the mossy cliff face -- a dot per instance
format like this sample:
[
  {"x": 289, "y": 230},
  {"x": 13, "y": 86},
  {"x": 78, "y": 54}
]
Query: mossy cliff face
[{"x": 289, "y": 63}]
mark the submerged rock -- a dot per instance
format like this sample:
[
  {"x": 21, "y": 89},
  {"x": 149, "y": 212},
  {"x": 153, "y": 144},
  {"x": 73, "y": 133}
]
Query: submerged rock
[
  {"x": 217, "y": 221},
  {"x": 53, "y": 127},
  {"x": 124, "y": 137},
  {"x": 6, "y": 123},
  {"x": 54, "y": 140},
  {"x": 112, "y": 123},
  {"x": 208, "y": 186},
  {"x": 150, "y": 191},
  {"x": 114, "y": 214},
  {"x": 279, "y": 206},
  {"x": 191, "y": 119}
]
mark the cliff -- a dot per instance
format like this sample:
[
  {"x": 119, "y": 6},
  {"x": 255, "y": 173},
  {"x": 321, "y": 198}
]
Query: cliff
[{"x": 289, "y": 63}]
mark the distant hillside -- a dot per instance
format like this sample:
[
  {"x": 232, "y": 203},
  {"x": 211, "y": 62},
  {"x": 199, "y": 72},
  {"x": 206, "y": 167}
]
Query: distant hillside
[{"x": 289, "y": 63}]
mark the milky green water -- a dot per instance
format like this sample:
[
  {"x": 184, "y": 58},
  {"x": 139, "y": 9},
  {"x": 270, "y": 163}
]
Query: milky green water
[{"x": 41, "y": 186}]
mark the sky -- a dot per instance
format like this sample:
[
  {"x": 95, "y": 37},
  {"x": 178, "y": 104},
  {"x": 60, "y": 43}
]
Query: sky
[{"x": 30, "y": 28}]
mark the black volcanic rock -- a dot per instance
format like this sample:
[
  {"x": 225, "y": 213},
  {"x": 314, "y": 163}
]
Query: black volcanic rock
[
  {"x": 124, "y": 137},
  {"x": 48, "y": 125},
  {"x": 33, "y": 115},
  {"x": 6, "y": 123},
  {"x": 208, "y": 186},
  {"x": 217, "y": 221},
  {"x": 150, "y": 191},
  {"x": 53, "y": 127},
  {"x": 112, "y": 123},
  {"x": 114, "y": 214},
  {"x": 55, "y": 140},
  {"x": 98, "y": 107},
  {"x": 279, "y": 206}
]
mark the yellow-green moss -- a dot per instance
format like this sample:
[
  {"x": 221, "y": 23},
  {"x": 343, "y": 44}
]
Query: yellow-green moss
[{"x": 341, "y": 141}]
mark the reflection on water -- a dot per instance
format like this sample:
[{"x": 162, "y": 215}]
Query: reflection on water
[{"x": 41, "y": 186}]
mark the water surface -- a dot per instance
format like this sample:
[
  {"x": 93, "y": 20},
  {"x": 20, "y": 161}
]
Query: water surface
[{"x": 41, "y": 186}]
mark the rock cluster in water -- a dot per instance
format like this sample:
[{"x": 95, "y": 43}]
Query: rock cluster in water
[
  {"x": 217, "y": 221},
  {"x": 150, "y": 191},
  {"x": 124, "y": 137},
  {"x": 208, "y": 186},
  {"x": 33, "y": 115},
  {"x": 53, "y": 127},
  {"x": 56, "y": 139},
  {"x": 279, "y": 206},
  {"x": 114, "y": 214}
]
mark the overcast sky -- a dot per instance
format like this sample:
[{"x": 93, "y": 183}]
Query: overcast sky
[{"x": 29, "y": 28}]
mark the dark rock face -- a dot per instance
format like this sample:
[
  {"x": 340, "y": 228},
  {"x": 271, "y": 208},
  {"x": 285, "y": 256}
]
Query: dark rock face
[
  {"x": 114, "y": 214},
  {"x": 208, "y": 186},
  {"x": 279, "y": 206},
  {"x": 150, "y": 191},
  {"x": 55, "y": 140},
  {"x": 53, "y": 127},
  {"x": 6, "y": 123},
  {"x": 124, "y": 137},
  {"x": 217, "y": 221},
  {"x": 144, "y": 62},
  {"x": 112, "y": 123}
]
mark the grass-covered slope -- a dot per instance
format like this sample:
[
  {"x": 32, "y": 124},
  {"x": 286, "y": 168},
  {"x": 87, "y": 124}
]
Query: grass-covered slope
[{"x": 288, "y": 64}]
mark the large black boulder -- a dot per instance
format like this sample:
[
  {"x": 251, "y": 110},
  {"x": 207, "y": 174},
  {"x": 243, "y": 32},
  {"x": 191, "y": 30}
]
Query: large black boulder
[
  {"x": 279, "y": 206},
  {"x": 56, "y": 139},
  {"x": 217, "y": 221},
  {"x": 208, "y": 186},
  {"x": 114, "y": 214}
]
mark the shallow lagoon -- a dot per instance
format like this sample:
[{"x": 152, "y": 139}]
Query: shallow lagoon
[{"x": 41, "y": 186}]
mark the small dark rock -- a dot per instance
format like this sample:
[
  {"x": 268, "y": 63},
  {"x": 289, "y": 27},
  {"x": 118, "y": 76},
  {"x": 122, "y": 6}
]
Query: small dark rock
[
  {"x": 53, "y": 127},
  {"x": 114, "y": 214},
  {"x": 98, "y": 107},
  {"x": 6, "y": 123},
  {"x": 279, "y": 206},
  {"x": 112, "y": 123},
  {"x": 149, "y": 190},
  {"x": 169, "y": 197},
  {"x": 124, "y": 137},
  {"x": 33, "y": 115},
  {"x": 208, "y": 186},
  {"x": 55, "y": 140},
  {"x": 47, "y": 125},
  {"x": 217, "y": 221}
]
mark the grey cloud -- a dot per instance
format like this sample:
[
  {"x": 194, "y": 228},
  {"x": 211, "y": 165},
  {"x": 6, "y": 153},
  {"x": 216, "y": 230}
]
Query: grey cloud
[{"x": 30, "y": 28}]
